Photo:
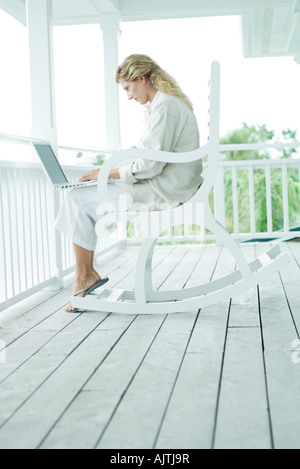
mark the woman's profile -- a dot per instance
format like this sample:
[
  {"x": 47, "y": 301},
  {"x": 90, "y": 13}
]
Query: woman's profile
[{"x": 171, "y": 126}]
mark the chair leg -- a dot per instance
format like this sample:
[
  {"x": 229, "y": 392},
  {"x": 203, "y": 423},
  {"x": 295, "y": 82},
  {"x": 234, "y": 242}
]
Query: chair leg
[
  {"x": 143, "y": 279},
  {"x": 226, "y": 239}
]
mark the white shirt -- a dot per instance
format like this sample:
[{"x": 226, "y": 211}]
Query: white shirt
[{"x": 172, "y": 127}]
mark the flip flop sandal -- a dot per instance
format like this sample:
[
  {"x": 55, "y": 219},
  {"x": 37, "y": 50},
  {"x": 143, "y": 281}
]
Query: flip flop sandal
[{"x": 86, "y": 291}]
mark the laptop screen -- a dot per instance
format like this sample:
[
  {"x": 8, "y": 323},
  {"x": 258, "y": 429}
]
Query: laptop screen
[{"x": 50, "y": 164}]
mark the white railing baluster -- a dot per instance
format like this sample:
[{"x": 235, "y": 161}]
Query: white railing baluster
[
  {"x": 299, "y": 183},
  {"x": 15, "y": 206},
  {"x": 47, "y": 218},
  {"x": 269, "y": 199},
  {"x": 42, "y": 244},
  {"x": 35, "y": 231},
  {"x": 3, "y": 263},
  {"x": 10, "y": 267},
  {"x": 285, "y": 197},
  {"x": 251, "y": 200},
  {"x": 29, "y": 230},
  {"x": 235, "y": 201},
  {"x": 23, "y": 225}
]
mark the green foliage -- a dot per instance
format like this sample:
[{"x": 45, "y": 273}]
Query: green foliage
[
  {"x": 289, "y": 135},
  {"x": 100, "y": 159},
  {"x": 253, "y": 134}
]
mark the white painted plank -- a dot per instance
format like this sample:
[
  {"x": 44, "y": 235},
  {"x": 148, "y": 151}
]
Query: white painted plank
[
  {"x": 53, "y": 356},
  {"x": 280, "y": 342},
  {"x": 244, "y": 307},
  {"x": 189, "y": 421},
  {"x": 242, "y": 420},
  {"x": 99, "y": 397},
  {"x": 295, "y": 248},
  {"x": 139, "y": 414},
  {"x": 283, "y": 375},
  {"x": 21, "y": 384},
  {"x": 164, "y": 260},
  {"x": 190, "y": 416},
  {"x": 183, "y": 267},
  {"x": 23, "y": 336},
  {"x": 277, "y": 322},
  {"x": 135, "y": 341},
  {"x": 30, "y": 423},
  {"x": 290, "y": 277},
  {"x": 137, "y": 418}
]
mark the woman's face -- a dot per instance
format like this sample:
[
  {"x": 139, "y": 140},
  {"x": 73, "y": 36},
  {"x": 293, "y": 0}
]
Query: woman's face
[{"x": 139, "y": 90}]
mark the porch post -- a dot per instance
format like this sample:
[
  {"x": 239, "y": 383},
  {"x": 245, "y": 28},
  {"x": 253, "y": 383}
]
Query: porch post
[
  {"x": 39, "y": 23},
  {"x": 110, "y": 26}
]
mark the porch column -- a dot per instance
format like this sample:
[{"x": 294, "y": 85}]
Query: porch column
[
  {"x": 39, "y": 22},
  {"x": 110, "y": 26}
]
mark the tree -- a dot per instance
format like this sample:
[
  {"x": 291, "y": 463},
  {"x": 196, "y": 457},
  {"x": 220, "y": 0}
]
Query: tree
[{"x": 253, "y": 134}]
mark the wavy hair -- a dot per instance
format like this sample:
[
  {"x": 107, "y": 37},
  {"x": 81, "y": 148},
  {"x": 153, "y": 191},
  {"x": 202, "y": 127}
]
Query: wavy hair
[{"x": 137, "y": 65}]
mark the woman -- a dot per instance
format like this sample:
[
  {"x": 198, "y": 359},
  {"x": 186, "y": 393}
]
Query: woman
[{"x": 170, "y": 126}]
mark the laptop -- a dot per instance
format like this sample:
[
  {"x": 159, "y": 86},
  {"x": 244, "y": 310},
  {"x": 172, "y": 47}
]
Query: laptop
[{"x": 53, "y": 169}]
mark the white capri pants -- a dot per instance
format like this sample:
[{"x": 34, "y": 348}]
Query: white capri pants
[{"x": 80, "y": 211}]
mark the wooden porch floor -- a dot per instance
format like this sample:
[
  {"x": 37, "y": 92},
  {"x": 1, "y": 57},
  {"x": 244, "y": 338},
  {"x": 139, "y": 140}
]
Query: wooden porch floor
[{"x": 226, "y": 376}]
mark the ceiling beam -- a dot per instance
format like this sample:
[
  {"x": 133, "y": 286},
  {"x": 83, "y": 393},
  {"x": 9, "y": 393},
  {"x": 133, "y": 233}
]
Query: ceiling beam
[
  {"x": 106, "y": 6},
  {"x": 135, "y": 10},
  {"x": 294, "y": 35},
  {"x": 15, "y": 8},
  {"x": 268, "y": 17},
  {"x": 138, "y": 10}
]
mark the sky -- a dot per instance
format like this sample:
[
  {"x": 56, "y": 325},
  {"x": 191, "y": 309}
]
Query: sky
[{"x": 255, "y": 91}]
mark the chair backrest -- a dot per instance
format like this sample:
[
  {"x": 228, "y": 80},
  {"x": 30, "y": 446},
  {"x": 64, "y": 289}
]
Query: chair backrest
[
  {"x": 214, "y": 103},
  {"x": 212, "y": 146}
]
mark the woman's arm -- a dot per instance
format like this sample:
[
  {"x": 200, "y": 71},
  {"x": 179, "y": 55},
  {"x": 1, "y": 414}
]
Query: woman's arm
[
  {"x": 161, "y": 136},
  {"x": 93, "y": 175}
]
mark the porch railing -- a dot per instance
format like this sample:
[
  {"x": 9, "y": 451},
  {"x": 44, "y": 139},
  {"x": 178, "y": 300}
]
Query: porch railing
[
  {"x": 267, "y": 186},
  {"x": 33, "y": 256},
  {"x": 240, "y": 208}
]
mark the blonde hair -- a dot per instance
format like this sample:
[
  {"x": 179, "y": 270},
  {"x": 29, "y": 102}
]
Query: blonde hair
[{"x": 137, "y": 65}]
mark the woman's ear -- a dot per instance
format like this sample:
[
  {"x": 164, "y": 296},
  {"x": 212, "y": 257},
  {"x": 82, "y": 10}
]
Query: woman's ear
[{"x": 143, "y": 80}]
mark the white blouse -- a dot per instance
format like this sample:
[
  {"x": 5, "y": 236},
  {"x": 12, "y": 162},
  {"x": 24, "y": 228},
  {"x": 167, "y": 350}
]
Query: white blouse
[{"x": 172, "y": 127}]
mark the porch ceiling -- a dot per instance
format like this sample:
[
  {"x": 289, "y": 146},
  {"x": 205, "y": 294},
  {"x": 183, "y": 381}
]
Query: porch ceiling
[{"x": 270, "y": 27}]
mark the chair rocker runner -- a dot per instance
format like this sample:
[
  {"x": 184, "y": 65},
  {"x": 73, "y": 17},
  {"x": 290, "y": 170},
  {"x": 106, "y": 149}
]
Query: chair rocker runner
[{"x": 144, "y": 300}]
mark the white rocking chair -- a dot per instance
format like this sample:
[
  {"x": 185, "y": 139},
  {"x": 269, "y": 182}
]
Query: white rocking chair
[{"x": 144, "y": 300}]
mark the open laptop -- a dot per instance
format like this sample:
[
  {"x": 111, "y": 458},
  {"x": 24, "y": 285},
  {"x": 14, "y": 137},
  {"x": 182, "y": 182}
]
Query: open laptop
[{"x": 53, "y": 169}]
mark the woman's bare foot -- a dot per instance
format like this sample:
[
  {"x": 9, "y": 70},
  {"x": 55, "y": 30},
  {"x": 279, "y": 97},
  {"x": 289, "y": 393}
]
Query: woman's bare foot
[{"x": 81, "y": 283}]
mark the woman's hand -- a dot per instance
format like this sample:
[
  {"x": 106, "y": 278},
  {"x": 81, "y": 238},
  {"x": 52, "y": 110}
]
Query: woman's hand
[
  {"x": 93, "y": 175},
  {"x": 90, "y": 176}
]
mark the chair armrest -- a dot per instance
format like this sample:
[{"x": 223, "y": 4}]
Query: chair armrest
[{"x": 125, "y": 156}]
